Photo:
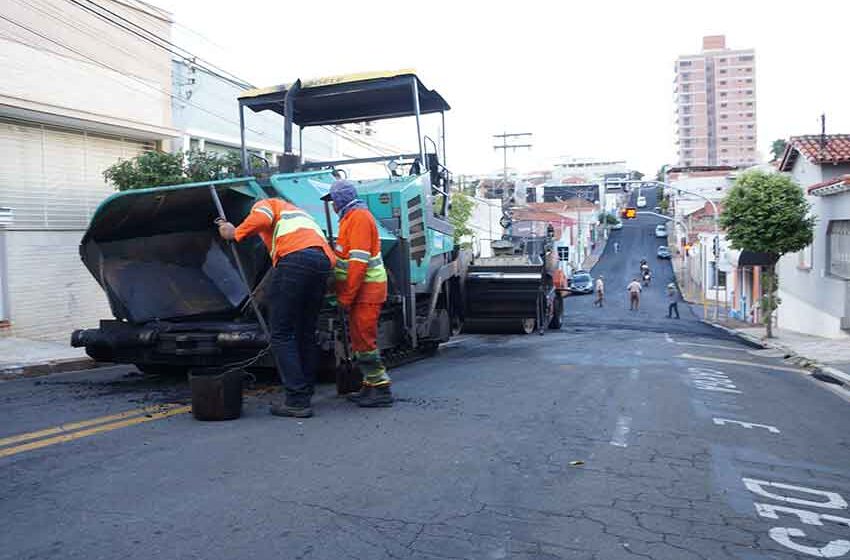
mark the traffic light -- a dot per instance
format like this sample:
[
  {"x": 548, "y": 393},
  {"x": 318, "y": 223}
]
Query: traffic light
[{"x": 630, "y": 213}]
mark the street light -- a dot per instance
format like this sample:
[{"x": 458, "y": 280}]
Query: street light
[{"x": 716, "y": 235}]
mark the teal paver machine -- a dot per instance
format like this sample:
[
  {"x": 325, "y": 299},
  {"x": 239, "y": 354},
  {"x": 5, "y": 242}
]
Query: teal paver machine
[{"x": 184, "y": 299}]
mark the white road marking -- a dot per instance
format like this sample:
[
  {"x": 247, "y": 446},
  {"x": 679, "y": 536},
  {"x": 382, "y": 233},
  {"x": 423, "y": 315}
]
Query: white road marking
[
  {"x": 750, "y": 425},
  {"x": 621, "y": 431},
  {"x": 786, "y": 535},
  {"x": 712, "y": 380},
  {"x": 834, "y": 500},
  {"x": 718, "y": 346},
  {"x": 741, "y": 363},
  {"x": 634, "y": 373}
]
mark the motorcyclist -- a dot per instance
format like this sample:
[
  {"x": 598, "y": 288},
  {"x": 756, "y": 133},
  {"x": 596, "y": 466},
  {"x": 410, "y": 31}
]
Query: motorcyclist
[{"x": 647, "y": 276}]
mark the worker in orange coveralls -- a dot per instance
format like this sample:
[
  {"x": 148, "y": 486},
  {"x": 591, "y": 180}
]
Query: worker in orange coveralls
[{"x": 361, "y": 288}]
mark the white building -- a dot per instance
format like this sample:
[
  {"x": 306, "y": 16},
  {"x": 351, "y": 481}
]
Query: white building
[
  {"x": 814, "y": 284},
  {"x": 77, "y": 94},
  {"x": 586, "y": 169}
]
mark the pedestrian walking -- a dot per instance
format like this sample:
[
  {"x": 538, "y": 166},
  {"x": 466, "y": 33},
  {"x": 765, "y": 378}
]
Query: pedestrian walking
[
  {"x": 302, "y": 261},
  {"x": 616, "y": 246},
  {"x": 634, "y": 289},
  {"x": 672, "y": 300},
  {"x": 600, "y": 292},
  {"x": 361, "y": 288}
]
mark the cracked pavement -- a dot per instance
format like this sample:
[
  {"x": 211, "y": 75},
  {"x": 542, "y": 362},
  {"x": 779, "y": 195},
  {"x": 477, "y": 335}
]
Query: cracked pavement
[{"x": 476, "y": 460}]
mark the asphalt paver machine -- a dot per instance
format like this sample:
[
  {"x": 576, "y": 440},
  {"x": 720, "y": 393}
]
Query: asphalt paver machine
[{"x": 183, "y": 299}]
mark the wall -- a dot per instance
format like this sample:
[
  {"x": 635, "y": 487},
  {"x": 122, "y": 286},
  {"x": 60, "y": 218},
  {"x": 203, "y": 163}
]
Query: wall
[
  {"x": 206, "y": 106},
  {"x": 485, "y": 225},
  {"x": 109, "y": 76},
  {"x": 813, "y": 301},
  {"x": 78, "y": 93}
]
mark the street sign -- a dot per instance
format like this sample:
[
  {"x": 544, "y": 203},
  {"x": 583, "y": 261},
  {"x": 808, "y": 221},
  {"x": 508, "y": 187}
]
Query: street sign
[{"x": 505, "y": 222}]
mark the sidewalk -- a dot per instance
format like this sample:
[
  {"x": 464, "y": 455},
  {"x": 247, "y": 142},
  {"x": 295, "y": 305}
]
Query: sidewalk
[
  {"x": 826, "y": 357},
  {"x": 594, "y": 256},
  {"x": 20, "y": 357}
]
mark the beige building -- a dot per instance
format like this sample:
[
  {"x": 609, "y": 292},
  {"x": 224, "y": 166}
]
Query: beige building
[
  {"x": 715, "y": 96},
  {"x": 78, "y": 93}
]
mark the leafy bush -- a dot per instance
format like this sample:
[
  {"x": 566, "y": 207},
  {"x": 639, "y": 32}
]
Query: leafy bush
[{"x": 156, "y": 169}]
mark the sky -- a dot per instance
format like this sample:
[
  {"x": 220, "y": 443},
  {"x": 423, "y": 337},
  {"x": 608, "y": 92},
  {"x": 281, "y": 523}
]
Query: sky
[{"x": 587, "y": 78}]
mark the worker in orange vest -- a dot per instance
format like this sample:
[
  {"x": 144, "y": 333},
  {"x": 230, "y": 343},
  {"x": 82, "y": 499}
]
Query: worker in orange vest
[
  {"x": 361, "y": 288},
  {"x": 303, "y": 262}
]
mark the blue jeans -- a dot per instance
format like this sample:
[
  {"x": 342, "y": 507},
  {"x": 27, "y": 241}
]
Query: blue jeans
[{"x": 298, "y": 286}]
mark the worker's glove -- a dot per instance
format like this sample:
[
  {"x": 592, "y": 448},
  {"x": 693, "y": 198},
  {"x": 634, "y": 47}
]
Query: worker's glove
[{"x": 225, "y": 229}]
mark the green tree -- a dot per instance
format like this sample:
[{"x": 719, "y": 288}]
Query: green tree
[
  {"x": 767, "y": 213},
  {"x": 777, "y": 148},
  {"x": 460, "y": 212},
  {"x": 607, "y": 218},
  {"x": 151, "y": 169},
  {"x": 156, "y": 169}
]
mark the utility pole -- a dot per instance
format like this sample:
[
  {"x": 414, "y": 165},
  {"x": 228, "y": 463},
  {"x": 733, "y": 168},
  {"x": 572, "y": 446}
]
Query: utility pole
[{"x": 504, "y": 147}]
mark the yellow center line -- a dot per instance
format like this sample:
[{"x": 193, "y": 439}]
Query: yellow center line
[
  {"x": 147, "y": 417},
  {"x": 740, "y": 362},
  {"x": 63, "y": 428}
]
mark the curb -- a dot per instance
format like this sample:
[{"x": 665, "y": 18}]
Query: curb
[
  {"x": 748, "y": 339},
  {"x": 819, "y": 371},
  {"x": 8, "y": 373}
]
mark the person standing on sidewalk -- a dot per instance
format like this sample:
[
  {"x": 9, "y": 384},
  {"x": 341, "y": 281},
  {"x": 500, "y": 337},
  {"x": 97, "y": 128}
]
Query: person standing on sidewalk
[
  {"x": 600, "y": 292},
  {"x": 302, "y": 261},
  {"x": 634, "y": 294},
  {"x": 361, "y": 287},
  {"x": 673, "y": 300}
]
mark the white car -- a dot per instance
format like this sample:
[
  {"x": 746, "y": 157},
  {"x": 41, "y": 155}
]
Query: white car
[
  {"x": 660, "y": 231},
  {"x": 641, "y": 202}
]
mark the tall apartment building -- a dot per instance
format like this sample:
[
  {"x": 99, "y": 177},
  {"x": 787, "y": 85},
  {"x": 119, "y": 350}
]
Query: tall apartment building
[{"x": 715, "y": 93}]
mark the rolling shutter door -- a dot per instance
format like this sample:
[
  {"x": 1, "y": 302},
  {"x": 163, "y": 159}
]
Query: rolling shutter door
[{"x": 53, "y": 180}]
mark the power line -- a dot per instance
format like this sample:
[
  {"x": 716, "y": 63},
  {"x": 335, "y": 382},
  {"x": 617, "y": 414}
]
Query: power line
[
  {"x": 244, "y": 85},
  {"x": 108, "y": 67},
  {"x": 158, "y": 42},
  {"x": 193, "y": 59}
]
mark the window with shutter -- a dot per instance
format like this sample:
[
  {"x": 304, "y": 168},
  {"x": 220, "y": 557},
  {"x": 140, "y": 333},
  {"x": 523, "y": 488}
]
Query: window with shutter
[{"x": 838, "y": 235}]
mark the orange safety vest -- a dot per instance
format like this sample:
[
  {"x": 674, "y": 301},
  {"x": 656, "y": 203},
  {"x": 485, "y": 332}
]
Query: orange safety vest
[
  {"x": 359, "y": 271},
  {"x": 284, "y": 228}
]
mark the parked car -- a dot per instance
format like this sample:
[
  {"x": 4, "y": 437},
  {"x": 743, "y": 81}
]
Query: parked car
[
  {"x": 663, "y": 252},
  {"x": 581, "y": 282},
  {"x": 660, "y": 231},
  {"x": 641, "y": 202}
]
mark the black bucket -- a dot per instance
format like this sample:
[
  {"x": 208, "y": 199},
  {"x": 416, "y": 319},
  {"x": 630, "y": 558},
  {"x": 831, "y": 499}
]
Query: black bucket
[{"x": 216, "y": 395}]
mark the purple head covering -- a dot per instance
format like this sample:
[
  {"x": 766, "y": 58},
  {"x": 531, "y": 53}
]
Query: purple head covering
[{"x": 344, "y": 196}]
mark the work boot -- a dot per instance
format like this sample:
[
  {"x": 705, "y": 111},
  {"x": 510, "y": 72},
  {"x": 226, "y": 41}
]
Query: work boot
[
  {"x": 374, "y": 397},
  {"x": 291, "y": 410}
]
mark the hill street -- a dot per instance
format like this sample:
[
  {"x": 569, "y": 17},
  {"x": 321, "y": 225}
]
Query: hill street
[{"x": 624, "y": 434}]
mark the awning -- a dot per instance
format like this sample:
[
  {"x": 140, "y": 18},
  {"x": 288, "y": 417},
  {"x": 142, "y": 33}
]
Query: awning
[
  {"x": 749, "y": 258},
  {"x": 348, "y": 99}
]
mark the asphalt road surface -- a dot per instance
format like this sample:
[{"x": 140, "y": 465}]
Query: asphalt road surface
[{"x": 624, "y": 435}]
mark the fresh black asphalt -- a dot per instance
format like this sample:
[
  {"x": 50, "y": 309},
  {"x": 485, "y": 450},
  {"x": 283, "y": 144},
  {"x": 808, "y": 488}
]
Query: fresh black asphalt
[{"x": 612, "y": 438}]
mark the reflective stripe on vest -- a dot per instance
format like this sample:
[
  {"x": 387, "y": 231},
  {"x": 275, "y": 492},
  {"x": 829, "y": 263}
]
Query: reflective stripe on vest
[
  {"x": 375, "y": 271},
  {"x": 290, "y": 221}
]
